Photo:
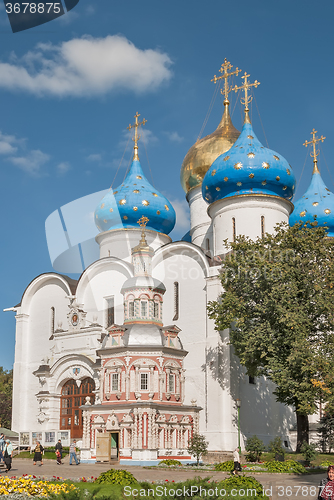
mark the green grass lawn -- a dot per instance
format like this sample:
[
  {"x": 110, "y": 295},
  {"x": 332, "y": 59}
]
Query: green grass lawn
[{"x": 48, "y": 455}]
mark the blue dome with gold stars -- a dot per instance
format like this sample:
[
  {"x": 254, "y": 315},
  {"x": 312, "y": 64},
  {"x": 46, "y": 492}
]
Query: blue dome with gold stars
[
  {"x": 316, "y": 204},
  {"x": 248, "y": 168},
  {"x": 133, "y": 199}
]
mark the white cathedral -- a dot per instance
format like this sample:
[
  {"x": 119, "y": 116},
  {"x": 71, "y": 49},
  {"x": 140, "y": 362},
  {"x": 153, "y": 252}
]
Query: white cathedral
[{"x": 125, "y": 358}]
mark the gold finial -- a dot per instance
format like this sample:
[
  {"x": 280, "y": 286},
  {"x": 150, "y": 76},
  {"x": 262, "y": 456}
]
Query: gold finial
[
  {"x": 247, "y": 99},
  {"x": 142, "y": 223},
  {"x": 225, "y": 74},
  {"x": 137, "y": 136},
  {"x": 315, "y": 151}
]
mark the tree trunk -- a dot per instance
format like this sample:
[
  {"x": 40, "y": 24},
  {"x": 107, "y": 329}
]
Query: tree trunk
[{"x": 302, "y": 430}]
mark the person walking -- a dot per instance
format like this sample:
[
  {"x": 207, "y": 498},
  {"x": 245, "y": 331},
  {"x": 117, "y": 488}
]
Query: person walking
[
  {"x": 59, "y": 448},
  {"x": 8, "y": 455},
  {"x": 73, "y": 452},
  {"x": 2, "y": 445},
  {"x": 38, "y": 453},
  {"x": 236, "y": 459}
]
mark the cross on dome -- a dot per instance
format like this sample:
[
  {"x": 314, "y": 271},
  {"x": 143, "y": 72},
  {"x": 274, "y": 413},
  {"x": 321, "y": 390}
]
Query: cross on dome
[
  {"x": 247, "y": 99},
  {"x": 315, "y": 152},
  {"x": 225, "y": 74},
  {"x": 136, "y": 138}
]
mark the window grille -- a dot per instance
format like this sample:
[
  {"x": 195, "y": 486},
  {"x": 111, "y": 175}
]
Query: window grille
[{"x": 144, "y": 381}]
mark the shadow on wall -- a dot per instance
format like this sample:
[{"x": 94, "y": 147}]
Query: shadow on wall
[{"x": 260, "y": 413}]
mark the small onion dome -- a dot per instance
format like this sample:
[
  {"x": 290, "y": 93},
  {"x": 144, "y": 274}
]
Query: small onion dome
[
  {"x": 316, "y": 204},
  {"x": 204, "y": 152},
  {"x": 135, "y": 198},
  {"x": 248, "y": 168}
]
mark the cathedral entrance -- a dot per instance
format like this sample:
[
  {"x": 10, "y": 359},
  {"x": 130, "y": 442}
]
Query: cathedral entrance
[{"x": 72, "y": 397}]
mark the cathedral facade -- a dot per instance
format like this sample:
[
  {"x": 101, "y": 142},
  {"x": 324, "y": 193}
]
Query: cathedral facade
[{"x": 93, "y": 359}]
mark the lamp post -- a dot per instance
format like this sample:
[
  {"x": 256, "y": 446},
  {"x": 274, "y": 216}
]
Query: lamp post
[{"x": 238, "y": 403}]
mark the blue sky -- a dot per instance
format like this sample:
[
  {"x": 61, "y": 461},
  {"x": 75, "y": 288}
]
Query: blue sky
[{"x": 69, "y": 88}]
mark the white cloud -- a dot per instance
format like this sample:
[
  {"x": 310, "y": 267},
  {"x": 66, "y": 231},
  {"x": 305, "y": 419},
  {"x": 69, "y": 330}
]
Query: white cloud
[
  {"x": 6, "y": 144},
  {"x": 146, "y": 138},
  {"x": 86, "y": 66},
  {"x": 31, "y": 162},
  {"x": 174, "y": 136},
  {"x": 94, "y": 157},
  {"x": 63, "y": 167}
]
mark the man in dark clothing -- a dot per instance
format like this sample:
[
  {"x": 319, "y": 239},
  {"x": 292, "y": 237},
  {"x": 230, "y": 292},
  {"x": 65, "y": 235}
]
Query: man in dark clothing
[{"x": 59, "y": 447}]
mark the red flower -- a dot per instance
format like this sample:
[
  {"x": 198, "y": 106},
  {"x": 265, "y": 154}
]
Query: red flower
[{"x": 166, "y": 480}]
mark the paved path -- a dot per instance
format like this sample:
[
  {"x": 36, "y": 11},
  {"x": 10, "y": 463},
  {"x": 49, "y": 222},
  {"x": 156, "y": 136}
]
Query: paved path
[{"x": 278, "y": 486}]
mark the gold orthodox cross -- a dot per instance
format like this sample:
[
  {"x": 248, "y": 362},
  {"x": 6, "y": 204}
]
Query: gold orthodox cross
[
  {"x": 225, "y": 74},
  {"x": 314, "y": 142},
  {"x": 136, "y": 138},
  {"x": 245, "y": 86}
]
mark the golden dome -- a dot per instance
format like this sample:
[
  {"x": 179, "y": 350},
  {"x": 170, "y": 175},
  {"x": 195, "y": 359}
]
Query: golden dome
[{"x": 203, "y": 153}]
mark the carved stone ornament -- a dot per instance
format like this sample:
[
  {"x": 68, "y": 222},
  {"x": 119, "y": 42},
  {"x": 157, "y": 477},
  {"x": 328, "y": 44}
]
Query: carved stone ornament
[
  {"x": 127, "y": 419},
  {"x": 112, "y": 422},
  {"x": 76, "y": 316},
  {"x": 42, "y": 417}
]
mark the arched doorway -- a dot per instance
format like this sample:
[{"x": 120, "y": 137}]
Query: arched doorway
[{"x": 72, "y": 397}]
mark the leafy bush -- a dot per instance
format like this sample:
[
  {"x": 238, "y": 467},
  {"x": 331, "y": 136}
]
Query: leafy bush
[
  {"x": 115, "y": 476},
  {"x": 276, "y": 447},
  {"x": 205, "y": 487},
  {"x": 309, "y": 452},
  {"x": 244, "y": 483},
  {"x": 327, "y": 463},
  {"x": 255, "y": 447},
  {"x": 225, "y": 466},
  {"x": 288, "y": 466},
  {"x": 170, "y": 461}
]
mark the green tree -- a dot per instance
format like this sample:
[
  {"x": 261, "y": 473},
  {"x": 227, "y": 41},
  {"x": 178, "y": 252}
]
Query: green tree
[
  {"x": 309, "y": 452},
  {"x": 275, "y": 446},
  {"x": 255, "y": 447},
  {"x": 278, "y": 301},
  {"x": 197, "y": 446},
  {"x": 6, "y": 390}
]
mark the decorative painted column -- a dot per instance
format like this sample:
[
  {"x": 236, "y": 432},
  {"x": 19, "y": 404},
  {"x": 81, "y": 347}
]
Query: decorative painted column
[
  {"x": 161, "y": 380},
  {"x": 127, "y": 386},
  {"x": 140, "y": 429}
]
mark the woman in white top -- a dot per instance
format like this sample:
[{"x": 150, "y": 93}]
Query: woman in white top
[{"x": 236, "y": 459}]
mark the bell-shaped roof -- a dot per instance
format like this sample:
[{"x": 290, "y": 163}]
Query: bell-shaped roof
[
  {"x": 317, "y": 204},
  {"x": 248, "y": 168}
]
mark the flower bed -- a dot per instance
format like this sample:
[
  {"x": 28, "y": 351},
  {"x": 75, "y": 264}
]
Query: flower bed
[{"x": 30, "y": 487}]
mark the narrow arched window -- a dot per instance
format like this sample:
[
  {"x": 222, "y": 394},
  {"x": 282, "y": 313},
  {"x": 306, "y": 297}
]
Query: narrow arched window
[
  {"x": 176, "y": 301},
  {"x": 131, "y": 309},
  {"x": 156, "y": 310},
  {"x": 143, "y": 308},
  {"x": 262, "y": 226},
  {"x": 233, "y": 229},
  {"x": 110, "y": 312},
  {"x": 52, "y": 320}
]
